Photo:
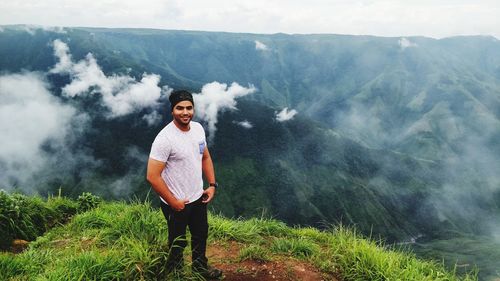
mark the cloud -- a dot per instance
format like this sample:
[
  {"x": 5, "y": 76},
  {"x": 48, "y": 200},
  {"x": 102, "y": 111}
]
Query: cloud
[
  {"x": 460, "y": 143},
  {"x": 260, "y": 46},
  {"x": 30, "y": 29},
  {"x": 405, "y": 43},
  {"x": 152, "y": 118},
  {"x": 33, "y": 28},
  {"x": 122, "y": 187},
  {"x": 61, "y": 51},
  {"x": 217, "y": 97},
  {"x": 30, "y": 117},
  {"x": 122, "y": 94},
  {"x": 56, "y": 29},
  {"x": 285, "y": 115},
  {"x": 245, "y": 124}
]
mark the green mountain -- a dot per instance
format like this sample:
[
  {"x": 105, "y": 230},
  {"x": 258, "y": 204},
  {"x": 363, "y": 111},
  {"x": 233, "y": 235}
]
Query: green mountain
[{"x": 396, "y": 136}]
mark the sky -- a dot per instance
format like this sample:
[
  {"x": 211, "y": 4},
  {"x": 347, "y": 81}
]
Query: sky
[{"x": 437, "y": 19}]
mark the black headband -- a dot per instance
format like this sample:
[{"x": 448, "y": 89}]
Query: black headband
[{"x": 178, "y": 96}]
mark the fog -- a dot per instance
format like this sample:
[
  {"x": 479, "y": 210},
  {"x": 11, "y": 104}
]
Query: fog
[
  {"x": 463, "y": 143},
  {"x": 42, "y": 134},
  {"x": 216, "y": 98},
  {"x": 122, "y": 94},
  {"x": 30, "y": 117}
]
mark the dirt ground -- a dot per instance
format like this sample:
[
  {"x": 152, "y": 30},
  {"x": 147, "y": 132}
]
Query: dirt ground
[{"x": 225, "y": 257}]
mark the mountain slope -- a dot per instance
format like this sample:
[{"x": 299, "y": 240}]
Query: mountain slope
[{"x": 397, "y": 136}]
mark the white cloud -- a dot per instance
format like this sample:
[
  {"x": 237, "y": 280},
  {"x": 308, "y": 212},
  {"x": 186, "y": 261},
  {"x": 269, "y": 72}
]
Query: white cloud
[
  {"x": 285, "y": 115},
  {"x": 260, "y": 46},
  {"x": 122, "y": 94},
  {"x": 217, "y": 97},
  {"x": 30, "y": 29},
  {"x": 29, "y": 117},
  {"x": 56, "y": 29},
  {"x": 245, "y": 124},
  {"x": 152, "y": 118},
  {"x": 61, "y": 51},
  {"x": 33, "y": 28},
  {"x": 405, "y": 43}
]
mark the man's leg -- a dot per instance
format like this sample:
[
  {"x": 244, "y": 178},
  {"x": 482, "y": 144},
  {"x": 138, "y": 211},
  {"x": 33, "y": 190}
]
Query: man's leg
[
  {"x": 198, "y": 226},
  {"x": 177, "y": 222}
]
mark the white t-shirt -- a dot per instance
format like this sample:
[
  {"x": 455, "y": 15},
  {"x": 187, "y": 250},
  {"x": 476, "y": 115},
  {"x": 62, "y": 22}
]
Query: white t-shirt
[{"x": 182, "y": 151}]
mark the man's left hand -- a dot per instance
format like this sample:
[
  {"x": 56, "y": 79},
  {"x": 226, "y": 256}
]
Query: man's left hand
[{"x": 208, "y": 194}]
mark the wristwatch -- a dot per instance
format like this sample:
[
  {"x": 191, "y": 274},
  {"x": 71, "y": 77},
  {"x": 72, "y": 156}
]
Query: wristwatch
[{"x": 214, "y": 184}]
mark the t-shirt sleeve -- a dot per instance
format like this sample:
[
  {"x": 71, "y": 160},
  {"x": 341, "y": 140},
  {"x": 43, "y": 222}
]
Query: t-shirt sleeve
[
  {"x": 160, "y": 149},
  {"x": 202, "y": 133}
]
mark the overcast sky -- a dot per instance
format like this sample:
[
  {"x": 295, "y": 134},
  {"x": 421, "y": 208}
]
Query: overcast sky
[{"x": 440, "y": 18}]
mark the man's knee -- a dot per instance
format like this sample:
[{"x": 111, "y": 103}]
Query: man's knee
[{"x": 179, "y": 241}]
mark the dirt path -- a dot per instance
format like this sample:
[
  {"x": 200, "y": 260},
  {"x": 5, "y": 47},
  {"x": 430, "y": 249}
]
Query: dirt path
[{"x": 225, "y": 257}]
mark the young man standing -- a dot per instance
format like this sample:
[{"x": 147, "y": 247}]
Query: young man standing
[{"x": 179, "y": 156}]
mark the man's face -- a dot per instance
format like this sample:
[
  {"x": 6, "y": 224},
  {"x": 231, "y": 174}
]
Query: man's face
[{"x": 183, "y": 112}]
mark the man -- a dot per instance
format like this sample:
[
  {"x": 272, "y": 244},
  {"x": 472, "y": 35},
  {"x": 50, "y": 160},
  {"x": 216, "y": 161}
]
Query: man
[{"x": 179, "y": 155}]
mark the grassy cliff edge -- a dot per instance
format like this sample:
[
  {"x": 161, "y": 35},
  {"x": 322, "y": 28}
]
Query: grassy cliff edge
[{"x": 127, "y": 241}]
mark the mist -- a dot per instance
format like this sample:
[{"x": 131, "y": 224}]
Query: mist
[
  {"x": 216, "y": 98},
  {"x": 121, "y": 94},
  {"x": 464, "y": 144},
  {"x": 37, "y": 131},
  {"x": 285, "y": 114},
  {"x": 46, "y": 139}
]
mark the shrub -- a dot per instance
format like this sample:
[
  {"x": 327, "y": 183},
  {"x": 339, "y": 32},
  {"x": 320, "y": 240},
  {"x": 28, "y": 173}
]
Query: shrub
[
  {"x": 64, "y": 208},
  {"x": 87, "y": 201},
  {"x": 7, "y": 214},
  {"x": 23, "y": 217}
]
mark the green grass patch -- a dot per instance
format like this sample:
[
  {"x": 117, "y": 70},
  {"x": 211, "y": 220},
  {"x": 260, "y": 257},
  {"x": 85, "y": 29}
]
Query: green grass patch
[
  {"x": 25, "y": 217},
  {"x": 362, "y": 259},
  {"x": 10, "y": 266},
  {"x": 88, "y": 265},
  {"x": 245, "y": 230},
  {"x": 297, "y": 247},
  {"x": 254, "y": 252},
  {"x": 127, "y": 241}
]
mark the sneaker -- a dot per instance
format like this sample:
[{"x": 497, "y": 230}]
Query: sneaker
[{"x": 210, "y": 273}]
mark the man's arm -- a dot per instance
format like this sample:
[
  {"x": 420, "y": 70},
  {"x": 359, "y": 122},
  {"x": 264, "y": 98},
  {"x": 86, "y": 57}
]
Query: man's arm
[
  {"x": 208, "y": 170},
  {"x": 155, "y": 168}
]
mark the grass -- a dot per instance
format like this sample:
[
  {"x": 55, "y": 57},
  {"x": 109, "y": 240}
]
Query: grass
[
  {"x": 297, "y": 247},
  {"x": 115, "y": 241},
  {"x": 24, "y": 217},
  {"x": 254, "y": 252},
  {"x": 362, "y": 259},
  {"x": 127, "y": 241}
]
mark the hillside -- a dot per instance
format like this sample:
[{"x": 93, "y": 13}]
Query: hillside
[
  {"x": 397, "y": 137},
  {"x": 126, "y": 241},
  {"x": 401, "y": 124}
]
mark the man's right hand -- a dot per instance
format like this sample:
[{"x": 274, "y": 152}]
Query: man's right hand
[{"x": 179, "y": 205}]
